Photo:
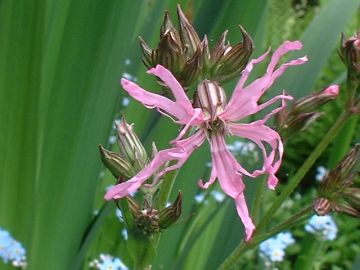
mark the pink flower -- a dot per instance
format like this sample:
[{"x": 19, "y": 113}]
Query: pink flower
[{"x": 212, "y": 119}]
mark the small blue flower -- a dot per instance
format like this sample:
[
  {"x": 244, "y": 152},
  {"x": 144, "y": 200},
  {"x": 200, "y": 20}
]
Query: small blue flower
[
  {"x": 119, "y": 214},
  {"x": 12, "y": 250},
  {"x": 199, "y": 198},
  {"x": 125, "y": 101},
  {"x": 273, "y": 249},
  {"x": 130, "y": 77},
  {"x": 112, "y": 139},
  {"x": 321, "y": 173},
  {"x": 218, "y": 196},
  {"x": 16, "y": 251},
  {"x": 124, "y": 233},
  {"x": 285, "y": 238},
  {"x": 323, "y": 226},
  {"x": 108, "y": 262}
]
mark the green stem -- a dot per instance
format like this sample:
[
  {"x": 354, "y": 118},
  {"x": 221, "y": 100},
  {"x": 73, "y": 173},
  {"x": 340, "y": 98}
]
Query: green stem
[
  {"x": 293, "y": 220},
  {"x": 233, "y": 259},
  {"x": 164, "y": 195},
  {"x": 290, "y": 187},
  {"x": 295, "y": 180},
  {"x": 255, "y": 213},
  {"x": 311, "y": 249}
]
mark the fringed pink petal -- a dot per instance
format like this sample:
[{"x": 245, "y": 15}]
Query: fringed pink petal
[
  {"x": 162, "y": 104},
  {"x": 284, "y": 48},
  {"x": 151, "y": 100},
  {"x": 244, "y": 215},
  {"x": 259, "y": 133},
  {"x": 211, "y": 179},
  {"x": 239, "y": 97},
  {"x": 187, "y": 146},
  {"x": 226, "y": 167},
  {"x": 283, "y": 97},
  {"x": 178, "y": 91},
  {"x": 194, "y": 118},
  {"x": 180, "y": 153},
  {"x": 244, "y": 101}
]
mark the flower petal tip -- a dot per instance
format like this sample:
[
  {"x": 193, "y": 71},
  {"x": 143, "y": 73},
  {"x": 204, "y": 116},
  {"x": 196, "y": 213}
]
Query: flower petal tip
[
  {"x": 293, "y": 45},
  {"x": 249, "y": 233},
  {"x": 156, "y": 70},
  {"x": 202, "y": 185},
  {"x": 124, "y": 82},
  {"x": 332, "y": 90},
  {"x": 108, "y": 196}
]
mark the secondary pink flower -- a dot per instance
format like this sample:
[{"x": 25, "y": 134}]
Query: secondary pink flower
[{"x": 212, "y": 119}]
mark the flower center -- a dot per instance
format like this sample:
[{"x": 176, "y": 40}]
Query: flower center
[{"x": 210, "y": 97}]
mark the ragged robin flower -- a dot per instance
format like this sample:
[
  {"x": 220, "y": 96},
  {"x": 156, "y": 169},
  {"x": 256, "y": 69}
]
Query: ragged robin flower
[
  {"x": 188, "y": 58},
  {"x": 212, "y": 118}
]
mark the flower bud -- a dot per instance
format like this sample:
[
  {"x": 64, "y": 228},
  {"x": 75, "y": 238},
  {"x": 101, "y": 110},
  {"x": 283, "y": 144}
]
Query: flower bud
[
  {"x": 169, "y": 53},
  {"x": 130, "y": 145},
  {"x": 145, "y": 218},
  {"x": 211, "y": 98},
  {"x": 322, "y": 206},
  {"x": 336, "y": 192},
  {"x": 171, "y": 214},
  {"x": 315, "y": 100},
  {"x": 188, "y": 35},
  {"x": 189, "y": 59},
  {"x": 303, "y": 112},
  {"x": 232, "y": 60},
  {"x": 147, "y": 53},
  {"x": 150, "y": 220},
  {"x": 117, "y": 164},
  {"x": 350, "y": 53}
]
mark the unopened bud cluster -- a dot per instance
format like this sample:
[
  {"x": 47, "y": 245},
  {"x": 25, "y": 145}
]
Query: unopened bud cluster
[
  {"x": 337, "y": 192},
  {"x": 132, "y": 157},
  {"x": 150, "y": 220},
  {"x": 189, "y": 59},
  {"x": 304, "y": 111}
]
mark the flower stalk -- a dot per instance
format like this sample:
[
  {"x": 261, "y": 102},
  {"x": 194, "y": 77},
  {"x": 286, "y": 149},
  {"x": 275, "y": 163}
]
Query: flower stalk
[
  {"x": 243, "y": 247},
  {"x": 293, "y": 183}
]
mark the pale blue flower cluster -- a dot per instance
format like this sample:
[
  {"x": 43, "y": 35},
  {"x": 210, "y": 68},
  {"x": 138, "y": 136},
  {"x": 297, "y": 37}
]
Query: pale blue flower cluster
[
  {"x": 323, "y": 226},
  {"x": 217, "y": 195},
  {"x": 11, "y": 250},
  {"x": 119, "y": 215},
  {"x": 321, "y": 173},
  {"x": 243, "y": 148},
  {"x": 107, "y": 262},
  {"x": 273, "y": 249}
]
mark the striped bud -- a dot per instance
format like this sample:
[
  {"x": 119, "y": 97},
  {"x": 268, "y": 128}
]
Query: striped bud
[
  {"x": 130, "y": 145},
  {"x": 171, "y": 214},
  {"x": 211, "y": 98},
  {"x": 337, "y": 192},
  {"x": 117, "y": 164}
]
